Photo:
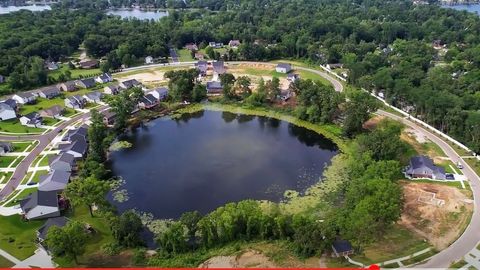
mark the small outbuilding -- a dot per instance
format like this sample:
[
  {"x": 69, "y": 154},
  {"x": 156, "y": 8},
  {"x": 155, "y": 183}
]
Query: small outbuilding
[
  {"x": 342, "y": 248},
  {"x": 283, "y": 68}
]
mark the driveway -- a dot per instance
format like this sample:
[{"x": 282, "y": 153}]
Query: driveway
[{"x": 470, "y": 238}]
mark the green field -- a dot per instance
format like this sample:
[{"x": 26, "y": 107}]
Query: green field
[
  {"x": 6, "y": 161},
  {"x": 17, "y": 237},
  {"x": 41, "y": 104},
  {"x": 75, "y": 73},
  {"x": 14, "y": 126},
  {"x": 184, "y": 55}
]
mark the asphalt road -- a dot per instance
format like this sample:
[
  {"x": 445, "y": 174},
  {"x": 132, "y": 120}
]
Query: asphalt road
[{"x": 470, "y": 238}]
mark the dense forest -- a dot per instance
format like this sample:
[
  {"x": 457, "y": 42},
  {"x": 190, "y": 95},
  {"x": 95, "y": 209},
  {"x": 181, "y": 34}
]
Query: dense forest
[{"x": 387, "y": 46}]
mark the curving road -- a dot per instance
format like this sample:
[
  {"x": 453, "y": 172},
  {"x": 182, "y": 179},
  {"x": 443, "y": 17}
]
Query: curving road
[{"x": 467, "y": 241}]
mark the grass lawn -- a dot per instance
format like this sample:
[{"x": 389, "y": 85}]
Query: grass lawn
[
  {"x": 22, "y": 195},
  {"x": 4, "y": 263},
  {"x": 6, "y": 178},
  {"x": 14, "y": 126},
  {"x": 458, "y": 264},
  {"x": 26, "y": 178},
  {"x": 50, "y": 121},
  {"x": 312, "y": 76},
  {"x": 41, "y": 104},
  {"x": 69, "y": 112},
  {"x": 36, "y": 177},
  {"x": 17, "y": 161},
  {"x": 474, "y": 163},
  {"x": 5, "y": 161},
  {"x": 184, "y": 55},
  {"x": 44, "y": 160},
  {"x": 395, "y": 243},
  {"x": 17, "y": 237},
  {"x": 460, "y": 151},
  {"x": 446, "y": 165},
  {"x": 419, "y": 258},
  {"x": 75, "y": 73},
  {"x": 21, "y": 146}
]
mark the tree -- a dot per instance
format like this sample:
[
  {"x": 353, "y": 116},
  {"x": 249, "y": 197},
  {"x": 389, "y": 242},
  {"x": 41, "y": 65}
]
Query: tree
[
  {"x": 98, "y": 137},
  {"x": 273, "y": 88},
  {"x": 123, "y": 105},
  {"x": 358, "y": 111},
  {"x": 173, "y": 239},
  {"x": 127, "y": 228},
  {"x": 69, "y": 240},
  {"x": 182, "y": 83},
  {"x": 199, "y": 93},
  {"x": 227, "y": 80},
  {"x": 88, "y": 192},
  {"x": 242, "y": 85},
  {"x": 190, "y": 221}
]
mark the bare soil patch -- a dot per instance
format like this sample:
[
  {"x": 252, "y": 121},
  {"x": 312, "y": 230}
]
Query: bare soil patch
[
  {"x": 247, "y": 259},
  {"x": 440, "y": 225}
]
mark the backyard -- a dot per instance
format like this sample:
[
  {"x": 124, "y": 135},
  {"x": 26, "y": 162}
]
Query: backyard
[
  {"x": 17, "y": 236},
  {"x": 14, "y": 126},
  {"x": 75, "y": 73}
]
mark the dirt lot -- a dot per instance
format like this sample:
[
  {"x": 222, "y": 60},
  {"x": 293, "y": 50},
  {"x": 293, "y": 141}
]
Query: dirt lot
[
  {"x": 439, "y": 224},
  {"x": 248, "y": 259}
]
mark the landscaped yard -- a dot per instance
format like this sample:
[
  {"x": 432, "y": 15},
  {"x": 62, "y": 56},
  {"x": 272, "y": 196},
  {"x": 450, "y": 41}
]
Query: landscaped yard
[
  {"x": 184, "y": 55},
  {"x": 22, "y": 195},
  {"x": 6, "y": 161},
  {"x": 47, "y": 121},
  {"x": 6, "y": 176},
  {"x": 14, "y": 126},
  {"x": 21, "y": 146},
  {"x": 17, "y": 236},
  {"x": 4, "y": 263},
  {"x": 41, "y": 104}
]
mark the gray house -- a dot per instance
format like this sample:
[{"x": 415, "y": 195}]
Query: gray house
[
  {"x": 49, "y": 93},
  {"x": 111, "y": 90},
  {"x": 67, "y": 86},
  {"x": 342, "y": 248},
  {"x": 85, "y": 83},
  {"x": 63, "y": 162},
  {"x": 104, "y": 78},
  {"x": 75, "y": 134},
  {"x": 75, "y": 102},
  {"x": 59, "y": 222},
  {"x": 53, "y": 112},
  {"x": 93, "y": 97},
  {"x": 214, "y": 87},
  {"x": 423, "y": 167},
  {"x": 32, "y": 119},
  {"x": 283, "y": 68},
  {"x": 6, "y": 112},
  {"x": 24, "y": 98},
  {"x": 129, "y": 84},
  {"x": 160, "y": 93},
  {"x": 40, "y": 204},
  {"x": 54, "y": 181},
  {"x": 202, "y": 66},
  {"x": 77, "y": 148}
]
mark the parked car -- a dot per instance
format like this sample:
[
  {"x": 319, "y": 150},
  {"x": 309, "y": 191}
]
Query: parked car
[{"x": 449, "y": 176}]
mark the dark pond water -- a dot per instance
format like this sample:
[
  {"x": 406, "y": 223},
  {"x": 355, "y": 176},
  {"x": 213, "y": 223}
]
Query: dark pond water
[
  {"x": 138, "y": 14},
  {"x": 475, "y": 8},
  {"x": 210, "y": 158}
]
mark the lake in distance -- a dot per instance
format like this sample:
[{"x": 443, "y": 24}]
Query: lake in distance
[
  {"x": 207, "y": 159},
  {"x": 475, "y": 8},
  {"x": 9, "y": 9},
  {"x": 138, "y": 14}
]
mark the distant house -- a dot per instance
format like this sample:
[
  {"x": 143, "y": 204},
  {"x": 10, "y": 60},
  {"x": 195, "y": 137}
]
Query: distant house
[
  {"x": 104, "y": 78},
  {"x": 88, "y": 64},
  {"x": 12, "y": 103},
  {"x": 214, "y": 87},
  {"x": 49, "y": 93},
  {"x": 93, "y": 97},
  {"x": 159, "y": 93},
  {"x": 59, "y": 222},
  {"x": 342, "y": 248},
  {"x": 77, "y": 148},
  {"x": 147, "y": 102},
  {"x": 67, "y": 86},
  {"x": 285, "y": 95},
  {"x": 76, "y": 134},
  {"x": 40, "y": 204},
  {"x": 32, "y": 119},
  {"x": 109, "y": 118},
  {"x": 24, "y": 98},
  {"x": 129, "y": 84},
  {"x": 5, "y": 147},
  {"x": 202, "y": 66},
  {"x": 75, "y": 102},
  {"x": 283, "y": 68},
  {"x": 148, "y": 60},
  {"x": 51, "y": 65},
  {"x": 85, "y": 83},
  {"x": 218, "y": 69},
  {"x": 234, "y": 43},
  {"x": 111, "y": 90},
  {"x": 293, "y": 77},
  {"x": 334, "y": 66},
  {"x": 54, "y": 181},
  {"x": 6, "y": 112},
  {"x": 215, "y": 45},
  {"x": 63, "y": 162},
  {"x": 199, "y": 56},
  {"x": 191, "y": 47},
  {"x": 53, "y": 112},
  {"x": 423, "y": 167}
]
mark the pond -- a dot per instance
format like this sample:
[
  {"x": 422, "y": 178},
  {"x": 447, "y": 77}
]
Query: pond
[
  {"x": 138, "y": 14},
  {"x": 475, "y": 8},
  {"x": 207, "y": 159},
  {"x": 9, "y": 9}
]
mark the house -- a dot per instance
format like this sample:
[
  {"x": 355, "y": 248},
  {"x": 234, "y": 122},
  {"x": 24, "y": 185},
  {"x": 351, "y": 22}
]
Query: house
[
  {"x": 77, "y": 148},
  {"x": 214, "y": 87},
  {"x": 148, "y": 60},
  {"x": 148, "y": 101},
  {"x": 234, "y": 43},
  {"x": 51, "y": 65},
  {"x": 109, "y": 118},
  {"x": 85, "y": 83},
  {"x": 104, "y": 78},
  {"x": 129, "y": 84},
  {"x": 215, "y": 45},
  {"x": 76, "y": 134},
  {"x": 40, "y": 204},
  {"x": 32, "y": 119},
  {"x": 53, "y": 112},
  {"x": 438, "y": 44},
  {"x": 423, "y": 167},
  {"x": 2, "y": 79},
  {"x": 191, "y": 47},
  {"x": 285, "y": 95},
  {"x": 49, "y": 92},
  {"x": 88, "y": 64},
  {"x": 199, "y": 56},
  {"x": 64, "y": 162},
  {"x": 218, "y": 69},
  {"x": 202, "y": 66},
  {"x": 334, "y": 66},
  {"x": 111, "y": 90},
  {"x": 341, "y": 248},
  {"x": 59, "y": 222},
  {"x": 5, "y": 147},
  {"x": 93, "y": 97},
  {"x": 75, "y": 102},
  {"x": 67, "y": 86},
  {"x": 6, "y": 112},
  {"x": 283, "y": 68},
  {"x": 293, "y": 77},
  {"x": 12, "y": 103},
  {"x": 55, "y": 181},
  {"x": 160, "y": 93},
  {"x": 24, "y": 98}
]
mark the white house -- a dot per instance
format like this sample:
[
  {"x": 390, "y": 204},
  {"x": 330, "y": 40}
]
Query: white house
[
  {"x": 32, "y": 119},
  {"x": 283, "y": 68},
  {"x": 111, "y": 90},
  {"x": 160, "y": 93},
  {"x": 148, "y": 60},
  {"x": 93, "y": 97},
  {"x": 6, "y": 112},
  {"x": 24, "y": 98},
  {"x": 104, "y": 78}
]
